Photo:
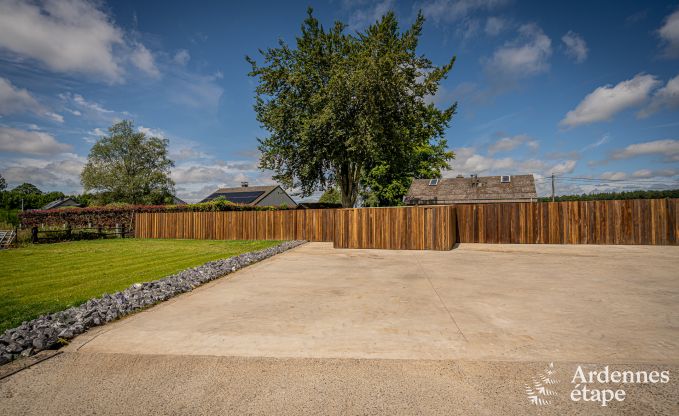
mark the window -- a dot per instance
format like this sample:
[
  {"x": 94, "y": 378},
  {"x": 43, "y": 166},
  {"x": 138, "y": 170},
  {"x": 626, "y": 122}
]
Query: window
[
  {"x": 433, "y": 182},
  {"x": 505, "y": 179}
]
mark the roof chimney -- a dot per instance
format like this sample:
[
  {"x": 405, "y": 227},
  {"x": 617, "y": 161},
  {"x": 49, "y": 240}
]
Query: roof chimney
[
  {"x": 460, "y": 176},
  {"x": 244, "y": 184}
]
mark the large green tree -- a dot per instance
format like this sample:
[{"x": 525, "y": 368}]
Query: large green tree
[
  {"x": 127, "y": 166},
  {"x": 351, "y": 110}
]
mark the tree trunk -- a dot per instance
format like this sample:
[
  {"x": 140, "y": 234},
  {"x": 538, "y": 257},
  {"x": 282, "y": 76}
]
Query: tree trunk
[{"x": 348, "y": 184}]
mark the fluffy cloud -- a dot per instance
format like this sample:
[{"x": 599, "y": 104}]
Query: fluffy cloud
[
  {"x": 454, "y": 10},
  {"x": 665, "y": 97},
  {"x": 143, "y": 59},
  {"x": 669, "y": 34},
  {"x": 647, "y": 173},
  {"x": 363, "y": 17},
  {"x": 468, "y": 161},
  {"x": 507, "y": 144},
  {"x": 604, "y": 102},
  {"x": 182, "y": 57},
  {"x": 527, "y": 55},
  {"x": 18, "y": 100},
  {"x": 70, "y": 36},
  {"x": 32, "y": 142},
  {"x": 669, "y": 149},
  {"x": 495, "y": 25},
  {"x": 576, "y": 47},
  {"x": 57, "y": 174}
]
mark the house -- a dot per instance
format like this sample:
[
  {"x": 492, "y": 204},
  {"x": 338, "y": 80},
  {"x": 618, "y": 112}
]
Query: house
[
  {"x": 474, "y": 189},
  {"x": 177, "y": 201},
  {"x": 260, "y": 196},
  {"x": 63, "y": 203}
]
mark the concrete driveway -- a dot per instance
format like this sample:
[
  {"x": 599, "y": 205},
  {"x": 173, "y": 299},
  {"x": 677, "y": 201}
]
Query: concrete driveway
[{"x": 417, "y": 331}]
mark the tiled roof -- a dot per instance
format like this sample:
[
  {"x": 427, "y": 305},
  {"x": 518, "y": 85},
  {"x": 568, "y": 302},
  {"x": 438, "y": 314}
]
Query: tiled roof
[{"x": 483, "y": 188}]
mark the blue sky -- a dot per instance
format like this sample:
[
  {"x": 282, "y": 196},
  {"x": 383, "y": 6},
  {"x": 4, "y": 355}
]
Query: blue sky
[{"x": 579, "y": 89}]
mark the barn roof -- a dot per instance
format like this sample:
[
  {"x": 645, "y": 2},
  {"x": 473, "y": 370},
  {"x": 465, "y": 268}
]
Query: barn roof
[{"x": 469, "y": 189}]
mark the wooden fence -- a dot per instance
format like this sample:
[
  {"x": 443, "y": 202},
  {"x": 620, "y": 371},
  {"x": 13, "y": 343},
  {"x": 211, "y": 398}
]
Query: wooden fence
[
  {"x": 642, "y": 221},
  {"x": 401, "y": 228},
  {"x": 639, "y": 221},
  {"x": 303, "y": 224}
]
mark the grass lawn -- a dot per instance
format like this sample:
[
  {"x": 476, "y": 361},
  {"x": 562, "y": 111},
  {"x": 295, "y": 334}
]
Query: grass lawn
[{"x": 40, "y": 279}]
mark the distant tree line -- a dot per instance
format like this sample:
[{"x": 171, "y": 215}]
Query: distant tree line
[{"x": 671, "y": 193}]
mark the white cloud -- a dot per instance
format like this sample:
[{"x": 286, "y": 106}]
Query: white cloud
[
  {"x": 60, "y": 173},
  {"x": 507, "y": 144},
  {"x": 665, "y": 97},
  {"x": 603, "y": 140},
  {"x": 182, "y": 57},
  {"x": 604, "y": 102},
  {"x": 454, "y": 10},
  {"x": 64, "y": 35},
  {"x": 32, "y": 142},
  {"x": 567, "y": 166},
  {"x": 495, "y": 25},
  {"x": 90, "y": 109},
  {"x": 363, "y": 17},
  {"x": 18, "y": 100},
  {"x": 527, "y": 55},
  {"x": 576, "y": 47},
  {"x": 616, "y": 176},
  {"x": 647, "y": 173},
  {"x": 669, "y": 149},
  {"x": 74, "y": 36},
  {"x": 142, "y": 58},
  {"x": 669, "y": 34}
]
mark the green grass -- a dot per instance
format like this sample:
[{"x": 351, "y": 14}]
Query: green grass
[{"x": 40, "y": 279}]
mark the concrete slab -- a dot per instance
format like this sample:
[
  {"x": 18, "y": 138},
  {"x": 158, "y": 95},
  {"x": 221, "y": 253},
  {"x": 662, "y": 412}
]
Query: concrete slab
[
  {"x": 478, "y": 302},
  {"x": 126, "y": 384}
]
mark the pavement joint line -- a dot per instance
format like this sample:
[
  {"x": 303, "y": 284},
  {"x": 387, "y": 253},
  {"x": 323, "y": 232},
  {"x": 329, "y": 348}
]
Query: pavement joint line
[
  {"x": 450, "y": 314},
  {"x": 30, "y": 363}
]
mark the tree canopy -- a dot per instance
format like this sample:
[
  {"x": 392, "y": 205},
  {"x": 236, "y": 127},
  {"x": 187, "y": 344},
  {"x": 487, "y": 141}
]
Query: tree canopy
[
  {"x": 127, "y": 166},
  {"x": 3, "y": 183},
  {"x": 351, "y": 110},
  {"x": 330, "y": 196}
]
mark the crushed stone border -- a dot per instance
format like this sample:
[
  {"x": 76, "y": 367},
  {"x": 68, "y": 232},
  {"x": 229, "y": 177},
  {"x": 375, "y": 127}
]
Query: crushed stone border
[{"x": 52, "y": 330}]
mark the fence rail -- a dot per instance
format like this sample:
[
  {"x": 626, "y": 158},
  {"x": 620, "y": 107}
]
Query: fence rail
[{"x": 641, "y": 221}]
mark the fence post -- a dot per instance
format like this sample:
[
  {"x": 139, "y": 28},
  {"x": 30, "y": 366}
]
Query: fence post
[
  {"x": 68, "y": 231},
  {"x": 34, "y": 235},
  {"x": 99, "y": 232},
  {"x": 122, "y": 230}
]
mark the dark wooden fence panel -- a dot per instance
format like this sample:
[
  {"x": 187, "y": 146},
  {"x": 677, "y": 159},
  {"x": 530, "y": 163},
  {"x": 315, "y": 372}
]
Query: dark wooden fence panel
[
  {"x": 401, "y": 228},
  {"x": 639, "y": 221},
  {"x": 311, "y": 225}
]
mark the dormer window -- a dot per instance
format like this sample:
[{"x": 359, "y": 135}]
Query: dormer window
[
  {"x": 433, "y": 182},
  {"x": 505, "y": 179}
]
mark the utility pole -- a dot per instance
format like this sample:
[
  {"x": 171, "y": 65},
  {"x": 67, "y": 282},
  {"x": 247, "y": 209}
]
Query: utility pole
[{"x": 552, "y": 187}]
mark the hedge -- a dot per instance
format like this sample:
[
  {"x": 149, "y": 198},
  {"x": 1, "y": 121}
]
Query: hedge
[{"x": 110, "y": 216}]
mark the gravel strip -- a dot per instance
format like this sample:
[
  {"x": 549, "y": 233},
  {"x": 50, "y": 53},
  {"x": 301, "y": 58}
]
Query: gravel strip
[{"x": 49, "y": 331}]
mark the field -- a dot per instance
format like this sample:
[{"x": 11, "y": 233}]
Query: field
[{"x": 40, "y": 279}]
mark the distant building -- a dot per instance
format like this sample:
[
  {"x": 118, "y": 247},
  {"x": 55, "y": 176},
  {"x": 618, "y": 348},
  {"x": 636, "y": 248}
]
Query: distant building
[
  {"x": 474, "y": 189},
  {"x": 261, "y": 196},
  {"x": 63, "y": 203},
  {"x": 177, "y": 201}
]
